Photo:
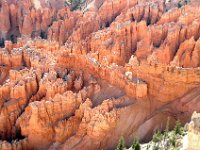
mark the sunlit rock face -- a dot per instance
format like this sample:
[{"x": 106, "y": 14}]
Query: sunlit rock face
[
  {"x": 194, "y": 132},
  {"x": 82, "y": 79}
]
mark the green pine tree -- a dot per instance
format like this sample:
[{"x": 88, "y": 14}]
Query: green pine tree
[
  {"x": 121, "y": 144},
  {"x": 178, "y": 129},
  {"x": 157, "y": 137},
  {"x": 136, "y": 145}
]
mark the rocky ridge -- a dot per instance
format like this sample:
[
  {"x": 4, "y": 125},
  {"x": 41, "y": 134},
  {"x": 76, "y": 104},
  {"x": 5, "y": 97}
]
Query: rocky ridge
[{"x": 82, "y": 79}]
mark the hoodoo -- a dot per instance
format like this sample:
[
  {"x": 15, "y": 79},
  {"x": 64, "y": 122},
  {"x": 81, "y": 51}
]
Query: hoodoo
[{"x": 81, "y": 74}]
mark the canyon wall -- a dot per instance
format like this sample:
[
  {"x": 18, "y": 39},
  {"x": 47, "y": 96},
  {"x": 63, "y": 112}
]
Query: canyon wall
[{"x": 82, "y": 79}]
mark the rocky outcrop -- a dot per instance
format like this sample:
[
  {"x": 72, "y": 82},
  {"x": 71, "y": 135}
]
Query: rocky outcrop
[
  {"x": 193, "y": 132},
  {"x": 16, "y": 145},
  {"x": 22, "y": 19},
  {"x": 159, "y": 42},
  {"x": 188, "y": 54},
  {"x": 52, "y": 113},
  {"x": 5, "y": 23},
  {"x": 82, "y": 79},
  {"x": 15, "y": 93}
]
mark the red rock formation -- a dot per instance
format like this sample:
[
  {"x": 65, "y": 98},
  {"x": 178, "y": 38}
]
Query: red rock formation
[
  {"x": 108, "y": 70},
  {"x": 5, "y": 20},
  {"x": 27, "y": 27}
]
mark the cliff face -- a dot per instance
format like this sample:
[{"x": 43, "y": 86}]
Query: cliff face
[{"x": 82, "y": 79}]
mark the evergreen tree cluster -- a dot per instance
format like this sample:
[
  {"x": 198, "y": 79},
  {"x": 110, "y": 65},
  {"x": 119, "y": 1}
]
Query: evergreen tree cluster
[
  {"x": 168, "y": 140},
  {"x": 74, "y": 4},
  {"x": 121, "y": 145},
  {"x": 161, "y": 140},
  {"x": 183, "y": 2}
]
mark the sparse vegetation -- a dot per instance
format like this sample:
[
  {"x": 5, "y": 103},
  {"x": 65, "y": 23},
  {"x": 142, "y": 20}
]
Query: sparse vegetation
[
  {"x": 136, "y": 145},
  {"x": 12, "y": 38},
  {"x": 74, "y": 4},
  {"x": 160, "y": 141},
  {"x": 168, "y": 140},
  {"x": 121, "y": 144},
  {"x": 157, "y": 137},
  {"x": 148, "y": 147},
  {"x": 178, "y": 129},
  {"x": 173, "y": 139},
  {"x": 2, "y": 42},
  {"x": 183, "y": 2}
]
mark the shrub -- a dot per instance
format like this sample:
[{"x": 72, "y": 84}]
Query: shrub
[
  {"x": 156, "y": 147},
  {"x": 187, "y": 1},
  {"x": 173, "y": 139},
  {"x": 121, "y": 144},
  {"x": 136, "y": 145},
  {"x": 178, "y": 129},
  {"x": 74, "y": 4},
  {"x": 180, "y": 4},
  {"x": 183, "y": 2},
  {"x": 148, "y": 147},
  {"x": 157, "y": 137}
]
